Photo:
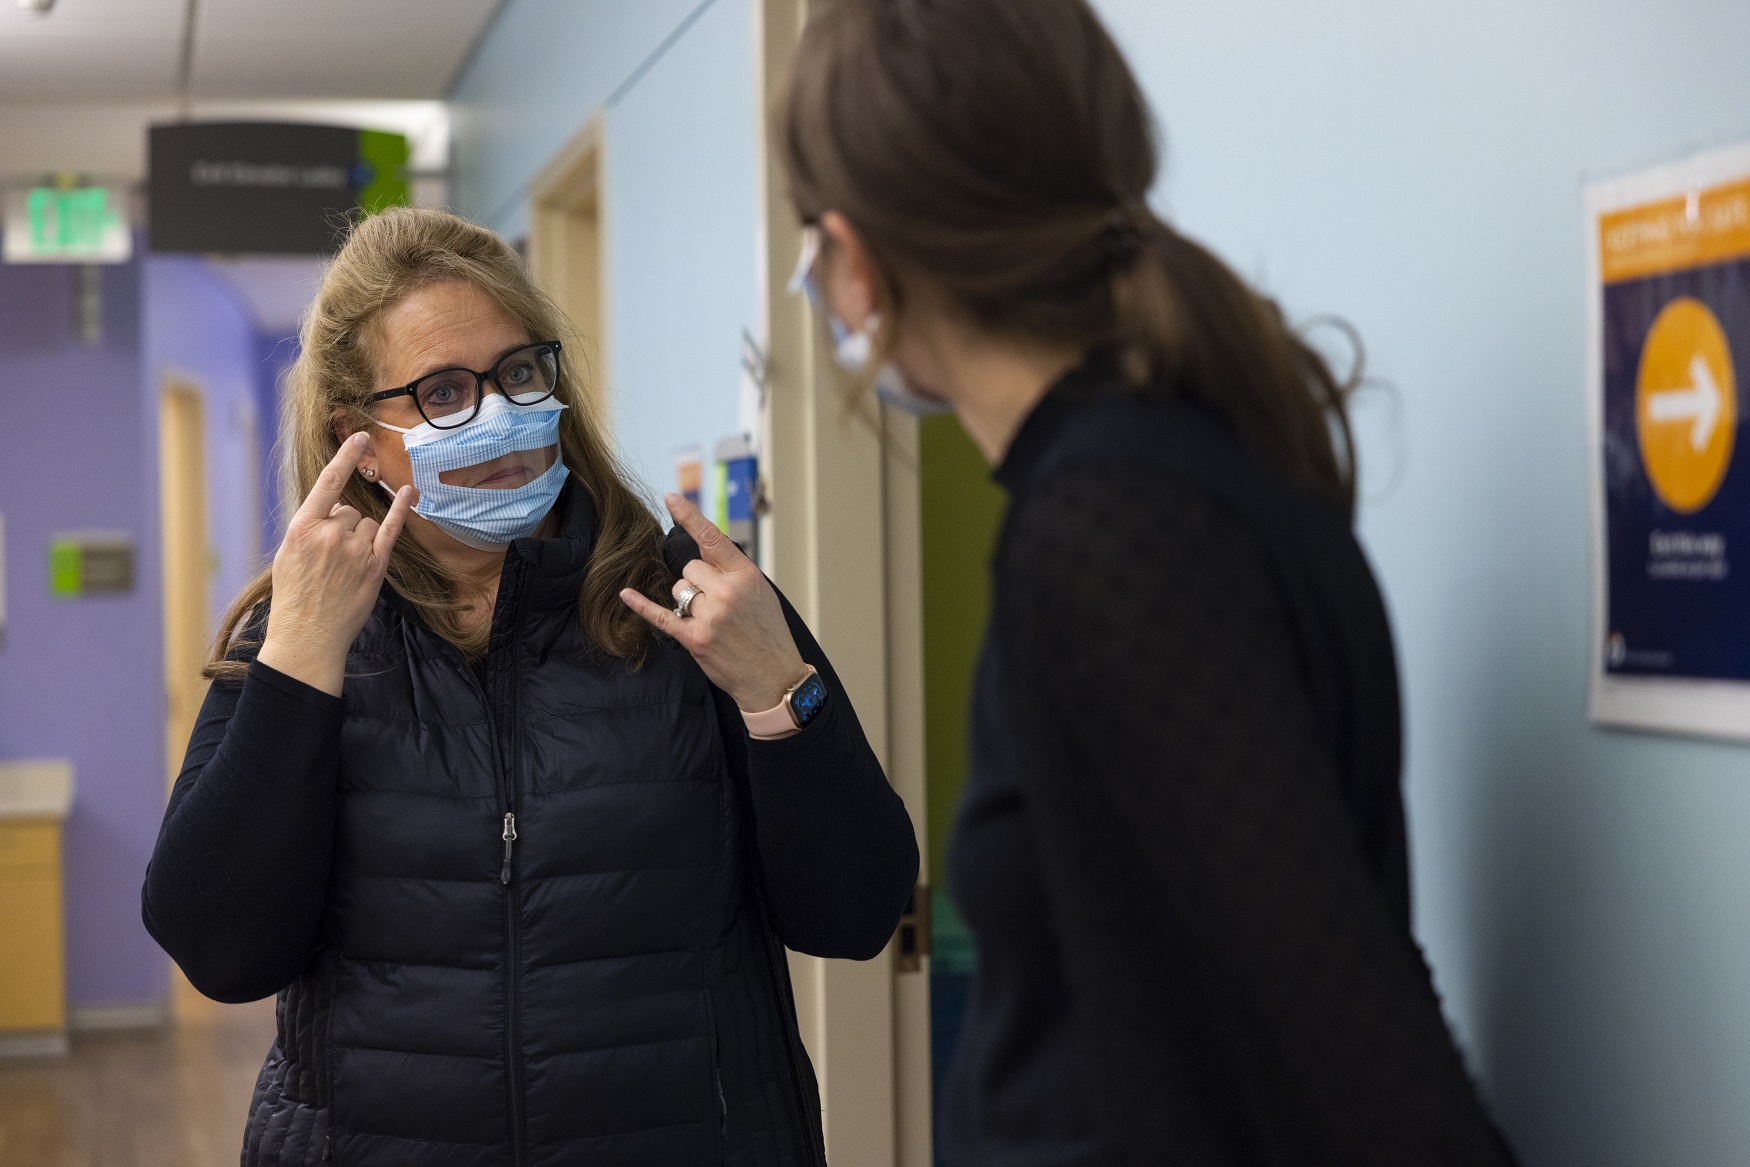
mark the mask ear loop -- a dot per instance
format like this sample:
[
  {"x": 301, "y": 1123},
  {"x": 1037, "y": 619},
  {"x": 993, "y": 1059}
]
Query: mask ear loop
[
  {"x": 803, "y": 276},
  {"x": 387, "y": 489},
  {"x": 851, "y": 348}
]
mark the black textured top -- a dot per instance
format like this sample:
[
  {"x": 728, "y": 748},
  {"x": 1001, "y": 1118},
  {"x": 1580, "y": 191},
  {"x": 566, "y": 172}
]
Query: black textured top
[{"x": 1181, "y": 849}]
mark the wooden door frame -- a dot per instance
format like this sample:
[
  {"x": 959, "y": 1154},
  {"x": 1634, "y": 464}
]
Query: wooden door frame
[
  {"x": 845, "y": 548},
  {"x": 187, "y": 614},
  {"x": 186, "y": 582},
  {"x": 567, "y": 253}
]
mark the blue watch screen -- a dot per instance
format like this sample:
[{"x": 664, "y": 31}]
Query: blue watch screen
[{"x": 808, "y": 699}]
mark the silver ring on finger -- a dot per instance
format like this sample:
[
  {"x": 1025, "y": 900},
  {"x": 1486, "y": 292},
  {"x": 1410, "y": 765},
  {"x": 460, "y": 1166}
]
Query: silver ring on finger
[{"x": 684, "y": 602}]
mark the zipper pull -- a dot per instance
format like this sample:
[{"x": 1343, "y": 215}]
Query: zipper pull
[{"x": 509, "y": 841}]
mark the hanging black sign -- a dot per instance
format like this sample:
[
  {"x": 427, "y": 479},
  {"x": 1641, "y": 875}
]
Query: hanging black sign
[{"x": 267, "y": 188}]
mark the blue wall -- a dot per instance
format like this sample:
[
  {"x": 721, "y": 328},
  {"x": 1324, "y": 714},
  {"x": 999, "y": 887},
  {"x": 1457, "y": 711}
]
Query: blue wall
[
  {"x": 544, "y": 67},
  {"x": 682, "y": 253},
  {"x": 1417, "y": 170},
  {"x": 680, "y": 212}
]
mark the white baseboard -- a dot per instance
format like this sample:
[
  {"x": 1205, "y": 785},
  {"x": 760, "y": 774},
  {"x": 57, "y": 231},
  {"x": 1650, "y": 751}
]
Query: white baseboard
[
  {"x": 34, "y": 1043},
  {"x": 107, "y": 1018}
]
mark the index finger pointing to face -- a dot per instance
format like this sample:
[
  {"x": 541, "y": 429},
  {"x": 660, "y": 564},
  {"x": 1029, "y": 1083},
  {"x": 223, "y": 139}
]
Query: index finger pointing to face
[
  {"x": 326, "y": 492},
  {"x": 715, "y": 547}
]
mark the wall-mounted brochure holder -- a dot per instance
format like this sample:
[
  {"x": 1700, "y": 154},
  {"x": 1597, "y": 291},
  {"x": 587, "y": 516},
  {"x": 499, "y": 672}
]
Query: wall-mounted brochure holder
[
  {"x": 689, "y": 474},
  {"x": 738, "y": 493}
]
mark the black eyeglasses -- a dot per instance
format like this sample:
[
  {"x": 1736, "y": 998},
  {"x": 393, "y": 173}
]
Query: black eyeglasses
[{"x": 451, "y": 397}]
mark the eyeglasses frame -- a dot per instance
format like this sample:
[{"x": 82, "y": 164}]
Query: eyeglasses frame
[{"x": 480, "y": 379}]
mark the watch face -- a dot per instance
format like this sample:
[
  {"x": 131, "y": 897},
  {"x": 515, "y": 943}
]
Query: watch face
[{"x": 808, "y": 699}]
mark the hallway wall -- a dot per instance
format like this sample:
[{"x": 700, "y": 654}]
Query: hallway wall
[
  {"x": 81, "y": 678},
  {"x": 674, "y": 80},
  {"x": 1417, "y": 170},
  {"x": 199, "y": 328}
]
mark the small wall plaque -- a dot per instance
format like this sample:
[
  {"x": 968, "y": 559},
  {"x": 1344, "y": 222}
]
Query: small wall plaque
[{"x": 91, "y": 563}]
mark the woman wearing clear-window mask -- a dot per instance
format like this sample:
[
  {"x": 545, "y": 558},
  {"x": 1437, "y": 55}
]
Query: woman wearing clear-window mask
[
  {"x": 1182, "y": 847},
  {"x": 517, "y": 845}
]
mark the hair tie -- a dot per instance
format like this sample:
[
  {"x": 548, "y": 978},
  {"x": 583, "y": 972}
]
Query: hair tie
[{"x": 1121, "y": 239}]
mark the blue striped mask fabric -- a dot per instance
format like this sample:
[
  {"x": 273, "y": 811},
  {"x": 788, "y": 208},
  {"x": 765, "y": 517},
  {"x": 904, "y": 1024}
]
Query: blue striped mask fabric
[{"x": 483, "y": 518}]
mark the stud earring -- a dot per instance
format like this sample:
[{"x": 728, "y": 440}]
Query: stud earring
[{"x": 370, "y": 475}]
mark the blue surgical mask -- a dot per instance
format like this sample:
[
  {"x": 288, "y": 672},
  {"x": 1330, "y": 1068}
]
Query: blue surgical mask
[
  {"x": 483, "y": 518},
  {"x": 851, "y": 349}
]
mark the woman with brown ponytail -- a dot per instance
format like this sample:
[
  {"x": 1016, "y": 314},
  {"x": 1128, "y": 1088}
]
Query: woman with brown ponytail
[{"x": 1182, "y": 849}]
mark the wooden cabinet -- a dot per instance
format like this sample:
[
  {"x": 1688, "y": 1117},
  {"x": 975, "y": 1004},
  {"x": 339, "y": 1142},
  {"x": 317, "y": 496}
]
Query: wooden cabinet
[{"x": 34, "y": 800}]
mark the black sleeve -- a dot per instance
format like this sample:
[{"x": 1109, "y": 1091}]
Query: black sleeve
[
  {"x": 1222, "y": 937},
  {"x": 835, "y": 848},
  {"x": 239, "y": 877}
]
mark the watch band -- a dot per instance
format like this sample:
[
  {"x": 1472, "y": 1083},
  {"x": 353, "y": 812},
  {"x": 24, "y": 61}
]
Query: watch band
[{"x": 777, "y": 721}]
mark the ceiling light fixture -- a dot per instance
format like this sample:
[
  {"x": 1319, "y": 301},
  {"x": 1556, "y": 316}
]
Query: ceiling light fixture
[{"x": 37, "y": 7}]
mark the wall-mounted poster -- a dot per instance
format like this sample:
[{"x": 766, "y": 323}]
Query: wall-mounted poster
[{"x": 1669, "y": 341}]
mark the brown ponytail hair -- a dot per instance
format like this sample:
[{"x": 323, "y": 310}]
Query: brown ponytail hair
[
  {"x": 1001, "y": 152},
  {"x": 386, "y": 257}
]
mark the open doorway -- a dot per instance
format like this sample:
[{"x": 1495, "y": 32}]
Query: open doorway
[
  {"x": 565, "y": 250},
  {"x": 959, "y": 509}
]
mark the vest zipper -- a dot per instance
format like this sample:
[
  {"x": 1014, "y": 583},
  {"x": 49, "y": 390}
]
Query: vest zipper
[
  {"x": 513, "y": 926},
  {"x": 513, "y": 1039},
  {"x": 506, "y": 743}
]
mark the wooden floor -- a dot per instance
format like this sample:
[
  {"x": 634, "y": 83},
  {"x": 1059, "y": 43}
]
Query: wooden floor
[{"x": 174, "y": 1098}]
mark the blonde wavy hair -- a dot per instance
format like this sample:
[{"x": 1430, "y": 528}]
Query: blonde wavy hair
[{"x": 386, "y": 257}]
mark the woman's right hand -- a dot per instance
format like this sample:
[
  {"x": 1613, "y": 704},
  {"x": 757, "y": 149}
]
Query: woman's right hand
[{"x": 326, "y": 576}]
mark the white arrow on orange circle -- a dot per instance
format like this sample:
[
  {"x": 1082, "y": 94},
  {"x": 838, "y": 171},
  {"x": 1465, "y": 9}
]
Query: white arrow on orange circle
[{"x": 1700, "y": 402}]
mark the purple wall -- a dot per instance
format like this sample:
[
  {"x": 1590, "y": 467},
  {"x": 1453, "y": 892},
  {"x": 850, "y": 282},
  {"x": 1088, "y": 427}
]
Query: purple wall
[
  {"x": 273, "y": 356},
  {"x": 82, "y": 678},
  {"x": 197, "y": 328}
]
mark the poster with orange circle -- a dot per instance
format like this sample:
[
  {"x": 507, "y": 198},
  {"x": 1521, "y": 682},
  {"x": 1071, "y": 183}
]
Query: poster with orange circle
[{"x": 1670, "y": 349}]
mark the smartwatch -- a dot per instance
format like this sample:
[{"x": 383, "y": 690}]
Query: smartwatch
[{"x": 801, "y": 703}]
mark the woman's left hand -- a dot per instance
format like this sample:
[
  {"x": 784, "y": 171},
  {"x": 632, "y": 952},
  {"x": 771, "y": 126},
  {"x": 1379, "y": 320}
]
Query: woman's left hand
[{"x": 735, "y": 628}]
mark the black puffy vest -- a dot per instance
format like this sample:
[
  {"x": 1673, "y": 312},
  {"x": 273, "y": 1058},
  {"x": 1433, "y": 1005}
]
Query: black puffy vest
[{"x": 543, "y": 943}]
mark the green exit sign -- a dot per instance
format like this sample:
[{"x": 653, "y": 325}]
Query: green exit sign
[{"x": 78, "y": 224}]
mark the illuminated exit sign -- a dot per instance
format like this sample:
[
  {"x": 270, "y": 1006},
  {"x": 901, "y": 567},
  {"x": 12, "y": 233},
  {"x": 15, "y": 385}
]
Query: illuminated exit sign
[{"x": 82, "y": 224}]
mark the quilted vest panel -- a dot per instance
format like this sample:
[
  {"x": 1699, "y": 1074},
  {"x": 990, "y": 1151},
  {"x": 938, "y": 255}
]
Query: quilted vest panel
[{"x": 598, "y": 989}]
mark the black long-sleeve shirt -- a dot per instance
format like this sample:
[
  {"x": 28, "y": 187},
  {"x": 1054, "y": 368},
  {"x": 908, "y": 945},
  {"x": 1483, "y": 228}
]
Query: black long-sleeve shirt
[
  {"x": 1192, "y": 926},
  {"x": 238, "y": 882}
]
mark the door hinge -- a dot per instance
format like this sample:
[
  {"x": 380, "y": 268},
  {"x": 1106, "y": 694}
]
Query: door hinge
[{"x": 914, "y": 931}]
